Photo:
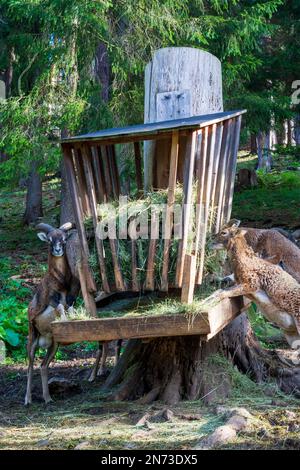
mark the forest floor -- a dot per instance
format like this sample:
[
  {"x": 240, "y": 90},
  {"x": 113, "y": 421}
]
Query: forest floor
[{"x": 84, "y": 416}]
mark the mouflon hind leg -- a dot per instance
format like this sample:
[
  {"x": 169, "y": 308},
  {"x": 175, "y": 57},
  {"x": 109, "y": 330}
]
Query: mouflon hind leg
[
  {"x": 118, "y": 351},
  {"x": 102, "y": 369},
  {"x": 94, "y": 370}
]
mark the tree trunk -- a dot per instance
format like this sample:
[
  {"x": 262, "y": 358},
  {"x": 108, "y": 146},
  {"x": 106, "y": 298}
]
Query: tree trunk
[
  {"x": 179, "y": 82},
  {"x": 264, "y": 150},
  {"x": 34, "y": 206},
  {"x": 179, "y": 368},
  {"x": 297, "y": 129},
  {"x": 290, "y": 132},
  {"x": 9, "y": 72},
  {"x": 253, "y": 146},
  {"x": 101, "y": 70}
]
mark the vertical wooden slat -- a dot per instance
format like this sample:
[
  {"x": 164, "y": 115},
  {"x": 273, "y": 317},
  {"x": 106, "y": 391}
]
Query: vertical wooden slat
[
  {"x": 206, "y": 200},
  {"x": 138, "y": 166},
  {"x": 232, "y": 170},
  {"x": 102, "y": 173},
  {"x": 149, "y": 283},
  {"x": 99, "y": 187},
  {"x": 222, "y": 174},
  {"x": 214, "y": 191},
  {"x": 86, "y": 156},
  {"x": 82, "y": 189},
  {"x": 113, "y": 169},
  {"x": 86, "y": 279},
  {"x": 169, "y": 209},
  {"x": 116, "y": 169},
  {"x": 106, "y": 169},
  {"x": 134, "y": 282},
  {"x": 187, "y": 204},
  {"x": 120, "y": 286}
]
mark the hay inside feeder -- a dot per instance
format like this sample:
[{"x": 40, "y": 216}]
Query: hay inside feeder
[{"x": 140, "y": 210}]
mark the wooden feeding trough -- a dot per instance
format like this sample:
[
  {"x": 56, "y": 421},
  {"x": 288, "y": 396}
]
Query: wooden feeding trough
[
  {"x": 201, "y": 154},
  {"x": 207, "y": 322}
]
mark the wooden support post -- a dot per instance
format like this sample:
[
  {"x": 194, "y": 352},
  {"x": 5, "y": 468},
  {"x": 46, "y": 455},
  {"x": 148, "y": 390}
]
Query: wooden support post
[
  {"x": 86, "y": 155},
  {"x": 169, "y": 209},
  {"x": 187, "y": 204},
  {"x": 87, "y": 281},
  {"x": 138, "y": 166}
]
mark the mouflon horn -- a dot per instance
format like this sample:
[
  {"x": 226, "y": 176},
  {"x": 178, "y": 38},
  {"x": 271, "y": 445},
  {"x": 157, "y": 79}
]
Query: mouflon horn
[
  {"x": 67, "y": 226},
  {"x": 45, "y": 228}
]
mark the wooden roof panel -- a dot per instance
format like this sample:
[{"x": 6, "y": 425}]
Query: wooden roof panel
[{"x": 194, "y": 122}]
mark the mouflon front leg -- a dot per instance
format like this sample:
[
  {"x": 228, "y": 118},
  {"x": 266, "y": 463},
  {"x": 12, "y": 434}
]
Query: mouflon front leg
[
  {"x": 235, "y": 291},
  {"x": 32, "y": 345},
  {"x": 44, "y": 370}
]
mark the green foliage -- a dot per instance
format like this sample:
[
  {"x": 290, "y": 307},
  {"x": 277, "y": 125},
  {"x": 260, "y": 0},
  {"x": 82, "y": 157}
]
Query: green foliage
[
  {"x": 283, "y": 179},
  {"x": 13, "y": 308},
  {"x": 50, "y": 46}
]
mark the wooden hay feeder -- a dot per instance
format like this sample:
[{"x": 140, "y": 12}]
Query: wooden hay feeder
[{"x": 199, "y": 152}]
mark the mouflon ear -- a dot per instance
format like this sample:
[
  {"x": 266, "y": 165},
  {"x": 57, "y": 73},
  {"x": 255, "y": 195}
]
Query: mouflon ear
[{"x": 42, "y": 236}]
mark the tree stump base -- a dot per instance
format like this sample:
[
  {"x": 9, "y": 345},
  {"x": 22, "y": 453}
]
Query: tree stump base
[{"x": 176, "y": 368}]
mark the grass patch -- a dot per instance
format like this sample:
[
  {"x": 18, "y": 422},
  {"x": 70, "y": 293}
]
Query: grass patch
[
  {"x": 258, "y": 208},
  {"x": 245, "y": 392}
]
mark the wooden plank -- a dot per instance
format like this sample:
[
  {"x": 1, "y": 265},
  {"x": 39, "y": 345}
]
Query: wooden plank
[
  {"x": 120, "y": 285},
  {"x": 138, "y": 166},
  {"x": 82, "y": 189},
  {"x": 152, "y": 129},
  {"x": 108, "y": 329},
  {"x": 223, "y": 166},
  {"x": 201, "y": 178},
  {"x": 150, "y": 281},
  {"x": 113, "y": 169},
  {"x": 232, "y": 170},
  {"x": 215, "y": 175},
  {"x": 75, "y": 199},
  {"x": 106, "y": 171},
  {"x": 87, "y": 281},
  {"x": 224, "y": 312},
  {"x": 206, "y": 200},
  {"x": 134, "y": 283},
  {"x": 98, "y": 177},
  {"x": 188, "y": 196},
  {"x": 188, "y": 284},
  {"x": 93, "y": 204},
  {"x": 169, "y": 209},
  {"x": 173, "y": 105},
  {"x": 102, "y": 172}
]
